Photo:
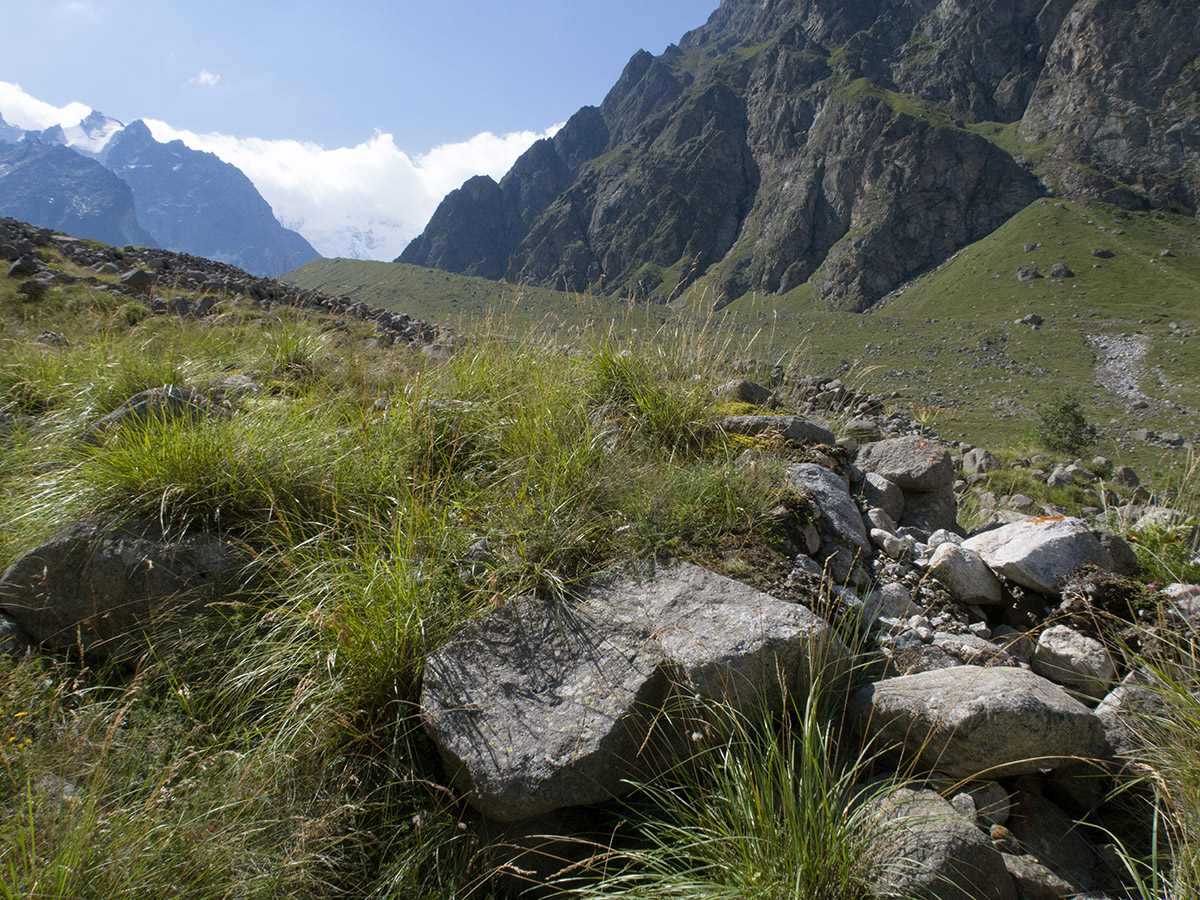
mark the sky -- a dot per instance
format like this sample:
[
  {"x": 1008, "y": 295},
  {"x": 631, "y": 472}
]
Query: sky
[{"x": 347, "y": 116}]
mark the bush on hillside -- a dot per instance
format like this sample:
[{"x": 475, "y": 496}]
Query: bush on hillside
[{"x": 1063, "y": 428}]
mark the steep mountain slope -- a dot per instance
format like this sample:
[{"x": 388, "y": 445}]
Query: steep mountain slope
[
  {"x": 193, "y": 202},
  {"x": 852, "y": 144},
  {"x": 58, "y": 188}
]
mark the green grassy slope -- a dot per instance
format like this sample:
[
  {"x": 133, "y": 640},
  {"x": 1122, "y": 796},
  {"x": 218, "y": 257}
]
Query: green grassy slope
[
  {"x": 951, "y": 338},
  {"x": 449, "y": 299},
  {"x": 948, "y": 341}
]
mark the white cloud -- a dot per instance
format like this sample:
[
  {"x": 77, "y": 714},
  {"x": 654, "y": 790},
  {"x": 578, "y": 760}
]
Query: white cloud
[
  {"x": 204, "y": 79},
  {"x": 32, "y": 114},
  {"x": 370, "y": 199}
]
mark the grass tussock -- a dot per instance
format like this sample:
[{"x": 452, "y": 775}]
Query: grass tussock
[{"x": 768, "y": 808}]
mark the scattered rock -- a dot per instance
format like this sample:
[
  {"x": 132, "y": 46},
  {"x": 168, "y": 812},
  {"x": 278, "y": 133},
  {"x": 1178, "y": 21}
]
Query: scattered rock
[
  {"x": 932, "y": 852},
  {"x": 743, "y": 390},
  {"x": 1028, "y": 273},
  {"x": 965, "y": 576},
  {"x": 166, "y": 403},
  {"x": 25, "y": 266},
  {"x": 1048, "y": 835},
  {"x": 931, "y": 511},
  {"x": 1076, "y": 661},
  {"x": 1059, "y": 270},
  {"x": 139, "y": 280},
  {"x": 978, "y": 460},
  {"x": 837, "y": 513},
  {"x": 1133, "y": 700},
  {"x": 883, "y": 495},
  {"x": 791, "y": 428},
  {"x": 34, "y": 289},
  {"x": 914, "y": 464}
]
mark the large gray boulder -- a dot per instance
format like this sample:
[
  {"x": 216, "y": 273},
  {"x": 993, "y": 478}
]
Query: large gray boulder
[
  {"x": 547, "y": 704},
  {"x": 977, "y": 461},
  {"x": 1127, "y": 707},
  {"x": 882, "y": 494},
  {"x": 931, "y": 510},
  {"x": 840, "y": 518},
  {"x": 1054, "y": 853},
  {"x": 1040, "y": 553},
  {"x": 930, "y": 851},
  {"x": 968, "y": 721},
  {"x": 914, "y": 464},
  {"x": 104, "y": 590}
]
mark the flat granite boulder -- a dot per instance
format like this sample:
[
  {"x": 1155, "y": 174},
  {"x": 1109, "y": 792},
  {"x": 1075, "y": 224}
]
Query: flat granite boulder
[
  {"x": 1040, "y": 553},
  {"x": 546, "y": 704},
  {"x": 791, "y": 428},
  {"x": 966, "y": 721}
]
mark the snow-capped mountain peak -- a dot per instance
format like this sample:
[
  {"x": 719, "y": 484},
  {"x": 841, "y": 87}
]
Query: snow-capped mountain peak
[{"x": 92, "y": 133}]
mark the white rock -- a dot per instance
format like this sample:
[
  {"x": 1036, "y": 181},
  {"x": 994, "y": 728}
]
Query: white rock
[{"x": 965, "y": 576}]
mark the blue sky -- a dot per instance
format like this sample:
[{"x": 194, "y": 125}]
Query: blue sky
[
  {"x": 353, "y": 119},
  {"x": 332, "y": 73}
]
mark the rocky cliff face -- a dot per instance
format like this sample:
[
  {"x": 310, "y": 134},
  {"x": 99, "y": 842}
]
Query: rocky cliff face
[{"x": 850, "y": 143}]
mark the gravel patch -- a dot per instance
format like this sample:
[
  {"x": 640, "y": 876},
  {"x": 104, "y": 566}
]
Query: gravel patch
[{"x": 1120, "y": 364}]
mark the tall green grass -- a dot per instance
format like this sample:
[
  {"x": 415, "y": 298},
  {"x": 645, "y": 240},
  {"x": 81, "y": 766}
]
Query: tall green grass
[
  {"x": 271, "y": 746},
  {"x": 771, "y": 808}
]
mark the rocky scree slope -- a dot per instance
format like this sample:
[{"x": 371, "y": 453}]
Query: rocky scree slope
[
  {"x": 852, "y": 145},
  {"x": 990, "y": 673}
]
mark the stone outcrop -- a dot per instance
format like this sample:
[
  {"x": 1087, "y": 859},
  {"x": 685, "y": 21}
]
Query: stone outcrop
[
  {"x": 170, "y": 272},
  {"x": 967, "y": 721},
  {"x": 1040, "y": 553},
  {"x": 932, "y": 851}
]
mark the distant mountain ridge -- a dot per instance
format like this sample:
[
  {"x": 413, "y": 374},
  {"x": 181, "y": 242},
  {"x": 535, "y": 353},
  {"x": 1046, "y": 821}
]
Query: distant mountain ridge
[
  {"x": 115, "y": 183},
  {"x": 55, "y": 187},
  {"x": 846, "y": 144}
]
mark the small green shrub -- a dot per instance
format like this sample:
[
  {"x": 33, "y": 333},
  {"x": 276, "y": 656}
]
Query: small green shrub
[{"x": 1063, "y": 428}]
